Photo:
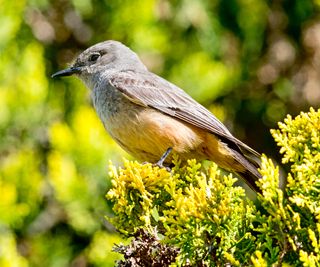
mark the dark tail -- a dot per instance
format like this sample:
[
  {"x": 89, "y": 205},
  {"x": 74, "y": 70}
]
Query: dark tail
[
  {"x": 250, "y": 178},
  {"x": 249, "y": 159},
  {"x": 250, "y": 174}
]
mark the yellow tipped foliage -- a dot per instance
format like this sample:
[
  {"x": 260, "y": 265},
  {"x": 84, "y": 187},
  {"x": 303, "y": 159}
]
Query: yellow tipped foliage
[
  {"x": 199, "y": 211},
  {"x": 210, "y": 221},
  {"x": 289, "y": 221},
  {"x": 138, "y": 190}
]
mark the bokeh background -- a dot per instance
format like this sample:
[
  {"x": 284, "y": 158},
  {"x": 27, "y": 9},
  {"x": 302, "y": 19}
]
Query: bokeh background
[{"x": 250, "y": 62}]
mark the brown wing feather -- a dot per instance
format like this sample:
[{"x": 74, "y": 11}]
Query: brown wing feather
[{"x": 148, "y": 89}]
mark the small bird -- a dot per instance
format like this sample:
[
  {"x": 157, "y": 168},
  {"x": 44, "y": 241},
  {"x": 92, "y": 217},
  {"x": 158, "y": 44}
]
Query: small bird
[{"x": 149, "y": 117}]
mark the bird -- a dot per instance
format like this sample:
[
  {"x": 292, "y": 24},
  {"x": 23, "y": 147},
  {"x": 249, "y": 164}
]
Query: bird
[{"x": 150, "y": 117}]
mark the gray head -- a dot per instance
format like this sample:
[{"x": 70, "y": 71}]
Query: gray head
[{"x": 103, "y": 57}]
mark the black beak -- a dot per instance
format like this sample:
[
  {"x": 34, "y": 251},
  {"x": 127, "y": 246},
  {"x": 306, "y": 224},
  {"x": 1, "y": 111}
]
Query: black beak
[{"x": 66, "y": 72}]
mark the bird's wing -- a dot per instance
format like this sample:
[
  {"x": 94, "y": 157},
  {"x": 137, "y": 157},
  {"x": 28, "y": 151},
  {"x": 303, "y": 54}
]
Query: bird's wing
[{"x": 150, "y": 90}]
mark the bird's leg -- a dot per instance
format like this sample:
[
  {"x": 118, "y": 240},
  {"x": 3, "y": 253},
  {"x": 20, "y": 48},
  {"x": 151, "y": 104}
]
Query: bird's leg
[{"x": 163, "y": 158}]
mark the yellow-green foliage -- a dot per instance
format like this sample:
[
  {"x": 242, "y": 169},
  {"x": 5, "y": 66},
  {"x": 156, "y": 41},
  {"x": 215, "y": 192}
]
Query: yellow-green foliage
[
  {"x": 9, "y": 256},
  {"x": 138, "y": 192},
  {"x": 198, "y": 211},
  {"x": 50, "y": 186},
  {"x": 292, "y": 218},
  {"x": 210, "y": 221},
  {"x": 299, "y": 140}
]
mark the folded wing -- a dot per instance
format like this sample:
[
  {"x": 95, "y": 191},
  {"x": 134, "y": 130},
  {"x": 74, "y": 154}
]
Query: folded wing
[{"x": 150, "y": 90}]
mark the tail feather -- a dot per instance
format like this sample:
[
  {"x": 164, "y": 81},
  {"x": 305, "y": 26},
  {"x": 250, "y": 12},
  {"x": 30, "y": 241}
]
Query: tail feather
[
  {"x": 250, "y": 173},
  {"x": 250, "y": 178}
]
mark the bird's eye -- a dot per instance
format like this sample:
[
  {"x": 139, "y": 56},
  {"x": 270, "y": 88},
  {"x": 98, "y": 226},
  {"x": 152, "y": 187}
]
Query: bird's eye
[{"x": 94, "y": 57}]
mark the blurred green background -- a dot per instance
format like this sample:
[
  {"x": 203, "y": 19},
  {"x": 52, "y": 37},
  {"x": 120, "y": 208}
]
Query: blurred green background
[{"x": 249, "y": 61}]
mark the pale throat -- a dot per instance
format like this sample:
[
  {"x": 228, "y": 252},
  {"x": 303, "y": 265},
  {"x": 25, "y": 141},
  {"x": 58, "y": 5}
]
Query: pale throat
[{"x": 91, "y": 79}]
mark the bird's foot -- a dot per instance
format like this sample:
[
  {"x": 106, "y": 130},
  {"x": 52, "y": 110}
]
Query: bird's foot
[
  {"x": 163, "y": 158},
  {"x": 157, "y": 165},
  {"x": 168, "y": 169}
]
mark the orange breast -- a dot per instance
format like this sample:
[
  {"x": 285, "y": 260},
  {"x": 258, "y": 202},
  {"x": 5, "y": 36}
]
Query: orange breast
[{"x": 147, "y": 133}]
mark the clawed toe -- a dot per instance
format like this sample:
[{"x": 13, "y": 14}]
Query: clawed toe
[
  {"x": 161, "y": 161},
  {"x": 161, "y": 166}
]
